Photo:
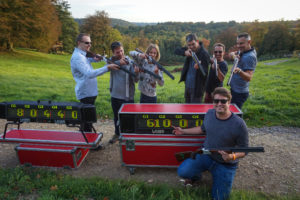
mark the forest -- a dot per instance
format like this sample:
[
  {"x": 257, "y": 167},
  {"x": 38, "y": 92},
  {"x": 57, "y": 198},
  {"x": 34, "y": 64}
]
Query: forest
[{"x": 48, "y": 26}]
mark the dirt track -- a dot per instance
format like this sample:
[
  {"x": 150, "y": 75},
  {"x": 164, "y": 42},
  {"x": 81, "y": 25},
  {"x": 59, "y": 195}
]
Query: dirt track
[{"x": 275, "y": 171}]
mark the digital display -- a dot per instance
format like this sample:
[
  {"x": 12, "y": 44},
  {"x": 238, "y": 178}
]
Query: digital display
[
  {"x": 164, "y": 123},
  {"x": 56, "y": 112}
]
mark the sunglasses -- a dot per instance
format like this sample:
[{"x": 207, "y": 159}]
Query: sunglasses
[
  {"x": 223, "y": 101},
  {"x": 86, "y": 42},
  {"x": 218, "y": 51}
]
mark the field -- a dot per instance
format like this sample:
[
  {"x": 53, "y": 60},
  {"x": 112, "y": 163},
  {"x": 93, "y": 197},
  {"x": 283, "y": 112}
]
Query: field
[{"x": 29, "y": 75}]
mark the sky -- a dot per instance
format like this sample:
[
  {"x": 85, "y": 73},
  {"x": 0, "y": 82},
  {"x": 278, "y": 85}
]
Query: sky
[{"x": 189, "y": 10}]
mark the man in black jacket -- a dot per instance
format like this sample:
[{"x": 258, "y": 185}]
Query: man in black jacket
[{"x": 191, "y": 74}]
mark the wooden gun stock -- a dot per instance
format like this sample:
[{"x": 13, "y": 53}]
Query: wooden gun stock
[{"x": 191, "y": 154}]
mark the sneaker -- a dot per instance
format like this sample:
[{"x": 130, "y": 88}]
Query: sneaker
[
  {"x": 114, "y": 139},
  {"x": 186, "y": 182}
]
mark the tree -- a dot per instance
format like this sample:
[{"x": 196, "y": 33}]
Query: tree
[
  {"x": 277, "y": 39},
  {"x": 32, "y": 24},
  {"x": 69, "y": 28},
  {"x": 102, "y": 34},
  {"x": 227, "y": 37}
]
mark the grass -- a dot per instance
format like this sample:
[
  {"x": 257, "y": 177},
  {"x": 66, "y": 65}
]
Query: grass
[
  {"x": 29, "y": 183},
  {"x": 29, "y": 75}
]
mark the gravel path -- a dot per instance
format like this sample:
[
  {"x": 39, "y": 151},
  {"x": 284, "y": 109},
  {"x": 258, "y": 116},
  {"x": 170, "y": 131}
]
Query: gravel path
[{"x": 275, "y": 171}]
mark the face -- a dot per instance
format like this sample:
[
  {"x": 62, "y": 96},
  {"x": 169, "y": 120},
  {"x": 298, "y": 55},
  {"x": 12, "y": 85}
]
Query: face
[
  {"x": 119, "y": 52},
  {"x": 243, "y": 44},
  {"x": 85, "y": 43},
  {"x": 153, "y": 53},
  {"x": 221, "y": 107},
  {"x": 193, "y": 45},
  {"x": 219, "y": 53}
]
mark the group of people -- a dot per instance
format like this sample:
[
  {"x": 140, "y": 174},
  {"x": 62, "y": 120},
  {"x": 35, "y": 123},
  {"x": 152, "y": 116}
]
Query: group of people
[{"x": 221, "y": 126}]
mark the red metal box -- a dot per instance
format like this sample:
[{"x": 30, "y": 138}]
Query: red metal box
[
  {"x": 50, "y": 156},
  {"x": 146, "y": 132}
]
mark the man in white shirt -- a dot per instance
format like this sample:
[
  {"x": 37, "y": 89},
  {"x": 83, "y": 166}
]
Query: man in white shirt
[{"x": 84, "y": 74}]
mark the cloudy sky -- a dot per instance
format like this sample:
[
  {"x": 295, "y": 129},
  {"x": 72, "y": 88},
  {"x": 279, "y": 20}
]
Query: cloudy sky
[{"x": 189, "y": 10}]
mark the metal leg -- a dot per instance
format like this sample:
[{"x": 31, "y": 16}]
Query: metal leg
[{"x": 131, "y": 170}]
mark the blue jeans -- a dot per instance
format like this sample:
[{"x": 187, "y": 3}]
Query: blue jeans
[
  {"x": 239, "y": 98},
  {"x": 222, "y": 174},
  {"x": 147, "y": 99}
]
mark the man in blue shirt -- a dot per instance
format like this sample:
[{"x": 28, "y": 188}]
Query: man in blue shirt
[
  {"x": 243, "y": 73},
  {"x": 84, "y": 75}
]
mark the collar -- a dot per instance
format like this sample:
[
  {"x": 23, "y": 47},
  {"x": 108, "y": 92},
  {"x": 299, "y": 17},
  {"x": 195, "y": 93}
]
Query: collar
[
  {"x": 81, "y": 51},
  {"x": 252, "y": 49}
]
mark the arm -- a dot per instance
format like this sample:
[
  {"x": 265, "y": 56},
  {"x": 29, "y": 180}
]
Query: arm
[
  {"x": 192, "y": 131},
  {"x": 181, "y": 51},
  {"x": 246, "y": 75},
  {"x": 83, "y": 68}
]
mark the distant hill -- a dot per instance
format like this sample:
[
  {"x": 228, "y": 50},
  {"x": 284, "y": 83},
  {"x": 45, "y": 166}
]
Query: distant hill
[{"x": 118, "y": 22}]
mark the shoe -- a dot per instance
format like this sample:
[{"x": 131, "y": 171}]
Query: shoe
[
  {"x": 186, "y": 182},
  {"x": 114, "y": 139}
]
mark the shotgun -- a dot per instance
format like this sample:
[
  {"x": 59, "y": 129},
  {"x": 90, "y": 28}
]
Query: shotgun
[
  {"x": 235, "y": 62},
  {"x": 197, "y": 61},
  {"x": 180, "y": 156},
  {"x": 157, "y": 64}
]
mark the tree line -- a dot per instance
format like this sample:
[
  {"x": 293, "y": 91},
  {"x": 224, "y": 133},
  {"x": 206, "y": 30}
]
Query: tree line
[{"x": 48, "y": 26}]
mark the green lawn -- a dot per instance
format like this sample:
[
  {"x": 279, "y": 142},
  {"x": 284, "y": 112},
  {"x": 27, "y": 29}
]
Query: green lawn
[{"x": 30, "y": 75}]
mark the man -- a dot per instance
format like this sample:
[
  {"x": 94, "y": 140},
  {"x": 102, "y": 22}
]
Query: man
[
  {"x": 223, "y": 129},
  {"x": 191, "y": 74},
  {"x": 243, "y": 73},
  {"x": 84, "y": 75},
  {"x": 213, "y": 80},
  {"x": 122, "y": 85}
]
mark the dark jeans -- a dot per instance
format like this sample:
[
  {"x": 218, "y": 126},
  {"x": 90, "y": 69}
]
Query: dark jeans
[
  {"x": 222, "y": 174},
  {"x": 239, "y": 98},
  {"x": 147, "y": 99},
  {"x": 189, "y": 95},
  {"x": 87, "y": 127},
  {"x": 116, "y": 105}
]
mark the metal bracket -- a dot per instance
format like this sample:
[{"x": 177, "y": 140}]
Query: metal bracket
[{"x": 130, "y": 145}]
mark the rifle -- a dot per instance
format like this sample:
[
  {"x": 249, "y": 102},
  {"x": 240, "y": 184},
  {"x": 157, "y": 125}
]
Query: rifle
[
  {"x": 92, "y": 55},
  {"x": 195, "y": 58},
  {"x": 192, "y": 154},
  {"x": 215, "y": 63},
  {"x": 157, "y": 64},
  {"x": 145, "y": 70},
  {"x": 235, "y": 62}
]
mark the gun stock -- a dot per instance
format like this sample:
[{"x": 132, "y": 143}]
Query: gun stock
[
  {"x": 157, "y": 64},
  {"x": 191, "y": 154}
]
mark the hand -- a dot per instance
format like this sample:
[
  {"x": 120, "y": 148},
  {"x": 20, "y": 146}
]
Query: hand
[
  {"x": 237, "y": 70},
  {"x": 188, "y": 53},
  {"x": 156, "y": 70},
  {"x": 226, "y": 156},
  {"x": 123, "y": 61},
  {"x": 143, "y": 56},
  {"x": 196, "y": 66},
  {"x": 97, "y": 57},
  {"x": 177, "y": 130},
  {"x": 136, "y": 69},
  {"x": 113, "y": 67}
]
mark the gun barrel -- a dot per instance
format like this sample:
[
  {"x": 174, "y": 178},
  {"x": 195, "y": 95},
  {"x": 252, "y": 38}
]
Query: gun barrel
[
  {"x": 195, "y": 58},
  {"x": 121, "y": 67}
]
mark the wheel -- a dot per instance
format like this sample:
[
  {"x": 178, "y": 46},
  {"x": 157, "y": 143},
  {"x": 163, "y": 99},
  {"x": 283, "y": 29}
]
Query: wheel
[{"x": 131, "y": 170}]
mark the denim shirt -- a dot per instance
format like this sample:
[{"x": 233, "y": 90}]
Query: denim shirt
[
  {"x": 84, "y": 74},
  {"x": 191, "y": 76},
  {"x": 247, "y": 61}
]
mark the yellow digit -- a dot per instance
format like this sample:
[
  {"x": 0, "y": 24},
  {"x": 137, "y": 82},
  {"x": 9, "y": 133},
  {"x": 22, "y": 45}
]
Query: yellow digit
[
  {"x": 157, "y": 123},
  {"x": 20, "y": 112},
  {"x": 178, "y": 116},
  {"x": 13, "y": 106},
  {"x": 198, "y": 122},
  {"x": 69, "y": 107},
  {"x": 54, "y": 107},
  {"x": 150, "y": 123},
  {"x": 61, "y": 114},
  {"x": 47, "y": 113},
  {"x": 33, "y": 113},
  {"x": 40, "y": 106},
  {"x": 162, "y": 116},
  {"x": 74, "y": 114},
  {"x": 195, "y": 116},
  {"x": 26, "y": 106},
  {"x": 166, "y": 123},
  {"x": 183, "y": 123}
]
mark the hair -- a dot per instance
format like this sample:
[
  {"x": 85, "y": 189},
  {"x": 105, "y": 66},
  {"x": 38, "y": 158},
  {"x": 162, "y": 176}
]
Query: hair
[
  {"x": 80, "y": 36},
  {"x": 154, "y": 46},
  {"x": 219, "y": 45},
  {"x": 244, "y": 35},
  {"x": 223, "y": 92},
  {"x": 115, "y": 45},
  {"x": 190, "y": 37}
]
